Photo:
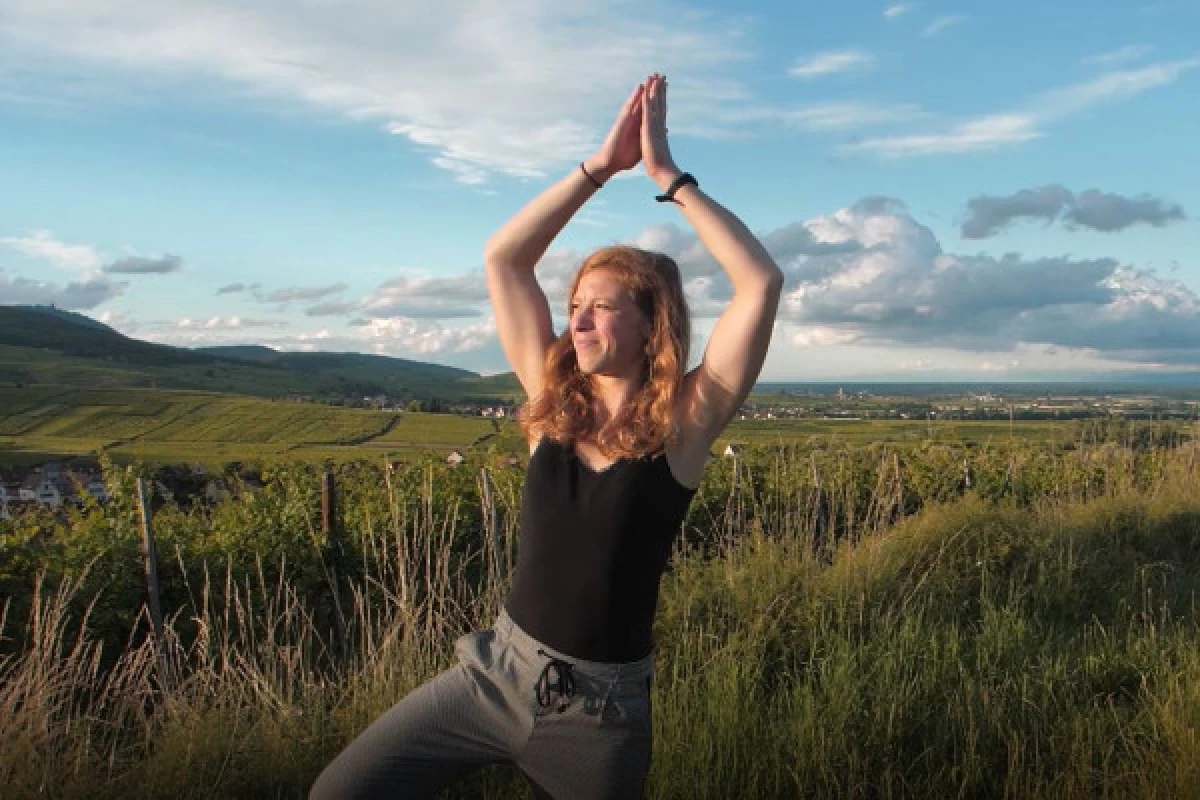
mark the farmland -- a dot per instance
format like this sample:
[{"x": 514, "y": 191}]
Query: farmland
[
  {"x": 1032, "y": 580},
  {"x": 165, "y": 426},
  {"x": 931, "y": 619},
  {"x": 162, "y": 426}
]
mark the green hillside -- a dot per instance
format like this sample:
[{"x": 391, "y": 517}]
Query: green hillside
[
  {"x": 164, "y": 426},
  {"x": 68, "y": 334},
  {"x": 47, "y": 346}
]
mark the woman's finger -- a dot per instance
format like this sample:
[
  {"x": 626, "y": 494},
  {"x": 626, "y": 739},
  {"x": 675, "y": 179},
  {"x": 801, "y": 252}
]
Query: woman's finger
[
  {"x": 633, "y": 98},
  {"x": 631, "y": 103}
]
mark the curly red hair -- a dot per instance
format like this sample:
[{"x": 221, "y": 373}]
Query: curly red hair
[{"x": 564, "y": 410}]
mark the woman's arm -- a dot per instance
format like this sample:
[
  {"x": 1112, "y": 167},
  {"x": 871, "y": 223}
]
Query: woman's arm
[
  {"x": 738, "y": 345},
  {"x": 523, "y": 319}
]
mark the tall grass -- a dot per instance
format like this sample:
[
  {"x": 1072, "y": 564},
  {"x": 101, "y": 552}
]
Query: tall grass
[{"x": 818, "y": 636}]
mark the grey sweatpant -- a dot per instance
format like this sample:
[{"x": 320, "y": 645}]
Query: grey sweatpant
[{"x": 593, "y": 742}]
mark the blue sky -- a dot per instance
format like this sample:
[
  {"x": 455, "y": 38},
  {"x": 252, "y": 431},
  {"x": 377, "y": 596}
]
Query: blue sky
[{"x": 955, "y": 191}]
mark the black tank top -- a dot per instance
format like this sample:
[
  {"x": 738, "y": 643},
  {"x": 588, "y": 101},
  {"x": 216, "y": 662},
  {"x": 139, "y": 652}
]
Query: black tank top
[{"x": 592, "y": 552}]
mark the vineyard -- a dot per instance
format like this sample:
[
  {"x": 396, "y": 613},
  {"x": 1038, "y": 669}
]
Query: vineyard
[
  {"x": 1015, "y": 618},
  {"x": 177, "y": 427},
  {"x": 193, "y": 427}
]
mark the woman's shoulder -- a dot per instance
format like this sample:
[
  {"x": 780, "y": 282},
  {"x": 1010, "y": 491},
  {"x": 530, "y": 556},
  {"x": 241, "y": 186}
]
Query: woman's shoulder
[{"x": 534, "y": 439}]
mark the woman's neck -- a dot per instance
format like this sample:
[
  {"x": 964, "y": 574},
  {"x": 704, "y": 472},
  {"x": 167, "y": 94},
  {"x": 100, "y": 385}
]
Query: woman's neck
[{"x": 610, "y": 394}]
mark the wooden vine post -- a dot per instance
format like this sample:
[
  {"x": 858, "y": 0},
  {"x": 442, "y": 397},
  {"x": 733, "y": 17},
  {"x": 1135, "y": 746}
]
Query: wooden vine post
[
  {"x": 153, "y": 592},
  {"x": 333, "y": 545}
]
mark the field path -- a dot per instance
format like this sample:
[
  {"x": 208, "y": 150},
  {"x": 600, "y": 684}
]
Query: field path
[{"x": 391, "y": 425}]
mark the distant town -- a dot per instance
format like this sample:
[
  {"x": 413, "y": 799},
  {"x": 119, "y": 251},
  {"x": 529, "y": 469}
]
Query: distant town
[
  {"x": 839, "y": 403},
  {"x": 863, "y": 404}
]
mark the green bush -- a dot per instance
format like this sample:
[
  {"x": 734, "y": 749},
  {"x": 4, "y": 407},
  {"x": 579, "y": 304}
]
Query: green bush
[{"x": 837, "y": 622}]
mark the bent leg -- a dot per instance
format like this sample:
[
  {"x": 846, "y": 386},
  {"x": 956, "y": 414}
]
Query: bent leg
[
  {"x": 597, "y": 750},
  {"x": 435, "y": 734}
]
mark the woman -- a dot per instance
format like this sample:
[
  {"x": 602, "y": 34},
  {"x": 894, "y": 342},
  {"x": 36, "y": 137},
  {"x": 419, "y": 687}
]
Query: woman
[{"x": 618, "y": 438}]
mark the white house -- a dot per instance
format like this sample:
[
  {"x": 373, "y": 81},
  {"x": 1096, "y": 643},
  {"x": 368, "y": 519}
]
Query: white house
[
  {"x": 27, "y": 491},
  {"x": 216, "y": 492},
  {"x": 49, "y": 495},
  {"x": 88, "y": 482}
]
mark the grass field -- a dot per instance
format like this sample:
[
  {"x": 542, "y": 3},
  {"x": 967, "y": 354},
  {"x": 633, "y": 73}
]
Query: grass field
[
  {"x": 1042, "y": 644},
  {"x": 765, "y": 432},
  {"x": 168, "y": 426}
]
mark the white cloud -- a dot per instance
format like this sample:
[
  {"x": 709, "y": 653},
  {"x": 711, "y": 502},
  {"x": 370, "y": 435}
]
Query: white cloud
[
  {"x": 896, "y": 11},
  {"x": 869, "y": 290},
  {"x": 228, "y": 323},
  {"x": 1121, "y": 55},
  {"x": 991, "y": 366},
  {"x": 1113, "y": 86},
  {"x": 840, "y": 116},
  {"x": 821, "y": 336},
  {"x": 942, "y": 23},
  {"x": 427, "y": 297},
  {"x": 404, "y": 338},
  {"x": 139, "y": 265},
  {"x": 985, "y": 133},
  {"x": 515, "y": 88},
  {"x": 1016, "y": 127},
  {"x": 124, "y": 322},
  {"x": 917, "y": 364},
  {"x": 44, "y": 246},
  {"x": 831, "y": 63},
  {"x": 83, "y": 294},
  {"x": 294, "y": 294},
  {"x": 413, "y": 336},
  {"x": 872, "y": 285},
  {"x": 900, "y": 290}
]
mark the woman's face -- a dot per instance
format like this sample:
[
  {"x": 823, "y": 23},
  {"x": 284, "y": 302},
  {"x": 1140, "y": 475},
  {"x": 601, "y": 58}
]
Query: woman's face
[{"x": 608, "y": 329}]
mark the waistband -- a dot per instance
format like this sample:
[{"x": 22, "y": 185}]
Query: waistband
[{"x": 609, "y": 672}]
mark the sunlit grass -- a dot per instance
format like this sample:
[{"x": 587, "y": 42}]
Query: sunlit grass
[{"x": 1041, "y": 648}]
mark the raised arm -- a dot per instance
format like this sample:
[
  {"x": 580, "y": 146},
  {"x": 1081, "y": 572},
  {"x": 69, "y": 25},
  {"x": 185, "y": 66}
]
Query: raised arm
[
  {"x": 522, "y": 313},
  {"x": 738, "y": 345}
]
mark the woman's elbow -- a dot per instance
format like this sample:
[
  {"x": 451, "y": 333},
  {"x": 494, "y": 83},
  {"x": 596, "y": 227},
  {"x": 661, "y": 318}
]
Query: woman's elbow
[
  {"x": 772, "y": 284},
  {"x": 775, "y": 281}
]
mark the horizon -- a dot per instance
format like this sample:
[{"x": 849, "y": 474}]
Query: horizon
[
  {"x": 1088, "y": 384},
  {"x": 956, "y": 195}
]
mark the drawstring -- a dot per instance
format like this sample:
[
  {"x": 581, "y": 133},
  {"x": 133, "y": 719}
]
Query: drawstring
[{"x": 564, "y": 685}]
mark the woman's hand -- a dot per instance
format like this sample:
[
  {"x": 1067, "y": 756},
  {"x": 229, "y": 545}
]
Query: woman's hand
[
  {"x": 656, "y": 154},
  {"x": 623, "y": 148}
]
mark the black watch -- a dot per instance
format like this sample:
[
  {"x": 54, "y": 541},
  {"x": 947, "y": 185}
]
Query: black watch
[{"x": 683, "y": 180}]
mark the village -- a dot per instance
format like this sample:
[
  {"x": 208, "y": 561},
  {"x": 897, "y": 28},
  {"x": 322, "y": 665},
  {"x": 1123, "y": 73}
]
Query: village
[
  {"x": 56, "y": 487},
  {"x": 50, "y": 485}
]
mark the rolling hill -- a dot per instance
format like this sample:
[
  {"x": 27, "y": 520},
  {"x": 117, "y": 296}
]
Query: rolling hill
[{"x": 45, "y": 345}]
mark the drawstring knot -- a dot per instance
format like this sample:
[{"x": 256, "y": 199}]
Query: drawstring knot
[{"x": 564, "y": 683}]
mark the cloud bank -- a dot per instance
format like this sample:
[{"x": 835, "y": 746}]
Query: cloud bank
[
  {"x": 79, "y": 295},
  {"x": 454, "y": 78},
  {"x": 1092, "y": 209},
  {"x": 870, "y": 277},
  {"x": 134, "y": 265}
]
